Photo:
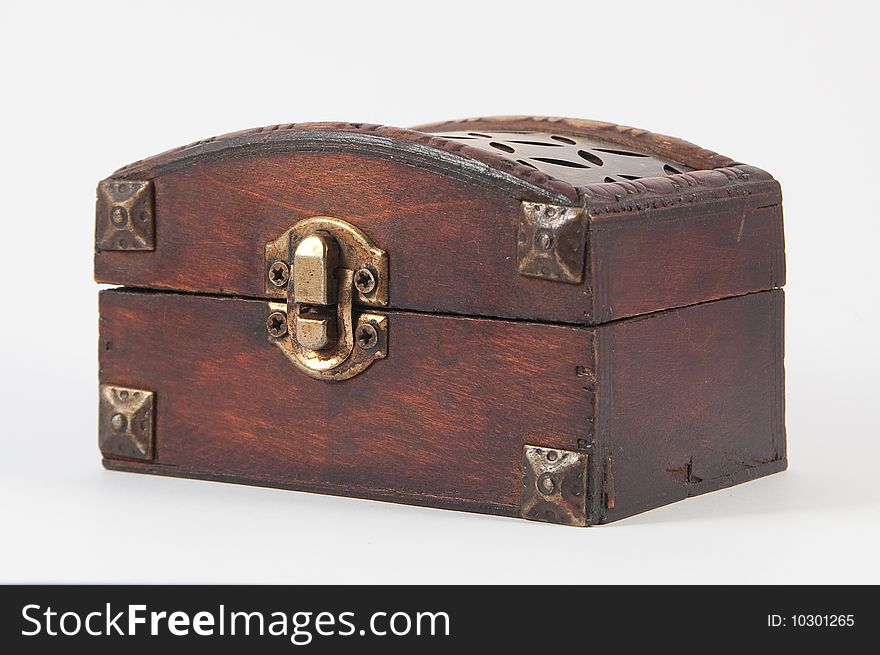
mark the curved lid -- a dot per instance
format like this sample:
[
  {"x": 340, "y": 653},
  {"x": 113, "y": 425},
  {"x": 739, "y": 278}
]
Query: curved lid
[
  {"x": 456, "y": 205},
  {"x": 506, "y": 151}
]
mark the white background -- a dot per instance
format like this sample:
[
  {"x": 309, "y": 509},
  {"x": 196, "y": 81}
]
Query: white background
[{"x": 88, "y": 87}]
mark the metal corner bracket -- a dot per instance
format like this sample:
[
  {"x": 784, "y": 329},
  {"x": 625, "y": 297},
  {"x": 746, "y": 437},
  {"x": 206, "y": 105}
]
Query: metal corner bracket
[
  {"x": 125, "y": 215},
  {"x": 554, "y": 485},
  {"x": 126, "y": 422},
  {"x": 552, "y": 242}
]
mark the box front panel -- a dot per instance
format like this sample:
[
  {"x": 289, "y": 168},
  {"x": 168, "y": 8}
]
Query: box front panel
[{"x": 441, "y": 421}]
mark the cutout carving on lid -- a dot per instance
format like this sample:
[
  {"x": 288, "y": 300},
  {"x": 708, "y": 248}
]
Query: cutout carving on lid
[{"x": 573, "y": 159}]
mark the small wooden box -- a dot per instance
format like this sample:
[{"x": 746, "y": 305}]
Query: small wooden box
[{"x": 563, "y": 320}]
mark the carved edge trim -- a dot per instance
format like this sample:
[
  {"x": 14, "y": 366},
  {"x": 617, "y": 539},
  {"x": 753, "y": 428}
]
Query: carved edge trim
[
  {"x": 605, "y": 200},
  {"x": 445, "y": 156},
  {"x": 716, "y": 176},
  {"x": 660, "y": 145}
]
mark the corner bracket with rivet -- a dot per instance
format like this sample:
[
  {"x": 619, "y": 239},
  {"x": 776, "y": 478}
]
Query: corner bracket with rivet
[
  {"x": 126, "y": 422},
  {"x": 125, "y": 215},
  {"x": 552, "y": 242},
  {"x": 554, "y": 485}
]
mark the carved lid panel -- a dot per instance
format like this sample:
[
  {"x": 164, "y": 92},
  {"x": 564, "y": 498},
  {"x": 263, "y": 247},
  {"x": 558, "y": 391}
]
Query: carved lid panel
[{"x": 573, "y": 159}]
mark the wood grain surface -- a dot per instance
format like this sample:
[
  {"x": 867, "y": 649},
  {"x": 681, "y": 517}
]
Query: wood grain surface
[
  {"x": 689, "y": 401},
  {"x": 665, "y": 365},
  {"x": 441, "y": 421},
  {"x": 652, "y": 244},
  {"x": 681, "y": 402},
  {"x": 644, "y": 261},
  {"x": 451, "y": 245}
]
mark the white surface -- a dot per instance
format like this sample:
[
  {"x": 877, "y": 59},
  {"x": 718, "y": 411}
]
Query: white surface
[{"x": 85, "y": 89}]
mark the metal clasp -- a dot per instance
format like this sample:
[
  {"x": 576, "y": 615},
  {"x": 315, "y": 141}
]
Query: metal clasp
[{"x": 327, "y": 268}]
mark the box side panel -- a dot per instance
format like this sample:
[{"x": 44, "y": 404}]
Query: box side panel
[
  {"x": 441, "y": 421},
  {"x": 452, "y": 245},
  {"x": 689, "y": 401},
  {"x": 647, "y": 261}
]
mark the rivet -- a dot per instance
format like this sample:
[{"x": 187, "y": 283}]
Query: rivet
[
  {"x": 118, "y": 422},
  {"x": 119, "y": 216},
  {"x": 548, "y": 486}
]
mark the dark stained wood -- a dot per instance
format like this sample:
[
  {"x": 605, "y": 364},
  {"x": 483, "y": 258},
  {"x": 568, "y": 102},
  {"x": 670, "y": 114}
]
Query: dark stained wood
[
  {"x": 690, "y": 401},
  {"x": 451, "y": 245},
  {"x": 490, "y": 170},
  {"x": 653, "y": 244},
  {"x": 675, "y": 256},
  {"x": 664, "y": 365},
  {"x": 441, "y": 421}
]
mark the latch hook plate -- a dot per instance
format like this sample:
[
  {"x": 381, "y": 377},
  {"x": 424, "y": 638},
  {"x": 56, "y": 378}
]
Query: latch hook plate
[{"x": 325, "y": 268}]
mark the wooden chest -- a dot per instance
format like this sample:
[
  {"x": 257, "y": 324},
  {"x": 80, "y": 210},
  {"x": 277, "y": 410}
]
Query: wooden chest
[{"x": 563, "y": 320}]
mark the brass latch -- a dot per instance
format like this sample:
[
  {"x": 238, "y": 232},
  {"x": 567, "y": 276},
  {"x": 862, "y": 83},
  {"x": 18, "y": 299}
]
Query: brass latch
[{"x": 326, "y": 268}]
